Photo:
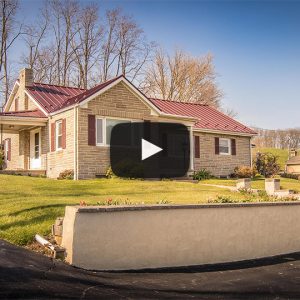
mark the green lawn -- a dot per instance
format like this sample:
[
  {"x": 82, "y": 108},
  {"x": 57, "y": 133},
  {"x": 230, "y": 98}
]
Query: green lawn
[
  {"x": 282, "y": 154},
  {"x": 259, "y": 183},
  {"x": 30, "y": 205}
]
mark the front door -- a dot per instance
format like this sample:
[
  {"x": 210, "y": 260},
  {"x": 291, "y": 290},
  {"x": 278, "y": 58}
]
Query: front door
[{"x": 35, "y": 149}]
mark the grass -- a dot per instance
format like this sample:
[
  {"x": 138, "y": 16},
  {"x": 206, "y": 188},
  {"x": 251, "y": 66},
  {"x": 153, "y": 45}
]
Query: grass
[
  {"x": 30, "y": 205},
  {"x": 282, "y": 154},
  {"x": 259, "y": 183}
]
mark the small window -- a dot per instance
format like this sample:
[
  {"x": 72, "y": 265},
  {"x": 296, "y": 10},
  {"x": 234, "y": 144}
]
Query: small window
[
  {"x": 59, "y": 135},
  {"x": 99, "y": 131},
  {"x": 224, "y": 146},
  {"x": 6, "y": 150},
  {"x": 36, "y": 145}
]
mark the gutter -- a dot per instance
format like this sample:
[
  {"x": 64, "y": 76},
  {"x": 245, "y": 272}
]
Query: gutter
[{"x": 76, "y": 142}]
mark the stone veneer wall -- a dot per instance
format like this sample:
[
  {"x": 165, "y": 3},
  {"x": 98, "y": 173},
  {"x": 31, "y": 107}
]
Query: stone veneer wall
[
  {"x": 222, "y": 165},
  {"x": 58, "y": 161},
  {"x": 116, "y": 102}
]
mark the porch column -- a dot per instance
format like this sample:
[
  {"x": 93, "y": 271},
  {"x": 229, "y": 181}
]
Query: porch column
[{"x": 191, "y": 149}]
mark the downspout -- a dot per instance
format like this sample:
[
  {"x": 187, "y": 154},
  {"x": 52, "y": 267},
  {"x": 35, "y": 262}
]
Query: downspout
[
  {"x": 251, "y": 163},
  {"x": 75, "y": 143}
]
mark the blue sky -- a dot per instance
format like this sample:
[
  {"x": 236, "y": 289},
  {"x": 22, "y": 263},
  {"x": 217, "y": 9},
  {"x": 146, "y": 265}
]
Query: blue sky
[{"x": 256, "y": 47}]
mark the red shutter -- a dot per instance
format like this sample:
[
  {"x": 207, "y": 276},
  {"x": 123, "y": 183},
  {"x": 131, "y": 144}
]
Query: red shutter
[
  {"x": 233, "y": 147},
  {"x": 91, "y": 130},
  {"x": 197, "y": 146},
  {"x": 217, "y": 145},
  {"x": 9, "y": 149},
  {"x": 63, "y": 127},
  {"x": 53, "y": 137}
]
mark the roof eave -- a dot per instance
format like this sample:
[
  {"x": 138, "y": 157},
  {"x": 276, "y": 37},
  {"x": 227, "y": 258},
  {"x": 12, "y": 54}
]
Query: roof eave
[
  {"x": 225, "y": 132},
  {"x": 17, "y": 120}
]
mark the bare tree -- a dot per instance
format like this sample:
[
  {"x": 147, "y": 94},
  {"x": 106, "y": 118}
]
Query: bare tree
[
  {"x": 182, "y": 77},
  {"x": 34, "y": 38},
  {"x": 10, "y": 31},
  {"x": 86, "y": 43}
]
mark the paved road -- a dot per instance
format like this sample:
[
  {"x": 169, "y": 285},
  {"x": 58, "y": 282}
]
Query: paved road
[{"x": 28, "y": 275}]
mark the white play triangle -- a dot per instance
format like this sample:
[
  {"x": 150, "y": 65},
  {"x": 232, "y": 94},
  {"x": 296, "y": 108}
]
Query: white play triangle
[{"x": 149, "y": 149}]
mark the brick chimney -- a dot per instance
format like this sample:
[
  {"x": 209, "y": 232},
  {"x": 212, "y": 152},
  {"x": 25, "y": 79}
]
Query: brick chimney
[
  {"x": 25, "y": 80},
  {"x": 26, "y": 77}
]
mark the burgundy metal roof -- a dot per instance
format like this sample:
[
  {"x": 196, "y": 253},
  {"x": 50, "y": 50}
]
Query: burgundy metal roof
[
  {"x": 36, "y": 113},
  {"x": 87, "y": 93},
  {"x": 52, "y": 97},
  {"x": 209, "y": 117}
]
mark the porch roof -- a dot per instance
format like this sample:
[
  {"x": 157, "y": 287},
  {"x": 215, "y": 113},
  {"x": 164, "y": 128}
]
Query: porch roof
[{"x": 14, "y": 121}]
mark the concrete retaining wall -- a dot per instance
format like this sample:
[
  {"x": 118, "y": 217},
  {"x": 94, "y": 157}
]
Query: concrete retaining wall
[{"x": 119, "y": 238}]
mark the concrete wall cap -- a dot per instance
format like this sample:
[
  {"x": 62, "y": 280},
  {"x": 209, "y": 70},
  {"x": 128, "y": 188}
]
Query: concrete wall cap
[
  {"x": 272, "y": 180},
  {"x": 119, "y": 208}
]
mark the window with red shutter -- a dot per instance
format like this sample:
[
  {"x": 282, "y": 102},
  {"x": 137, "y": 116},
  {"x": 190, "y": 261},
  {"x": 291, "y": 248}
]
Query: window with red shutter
[
  {"x": 91, "y": 130},
  {"x": 217, "y": 145},
  {"x": 197, "y": 146},
  {"x": 63, "y": 141},
  {"x": 233, "y": 147},
  {"x": 53, "y": 137}
]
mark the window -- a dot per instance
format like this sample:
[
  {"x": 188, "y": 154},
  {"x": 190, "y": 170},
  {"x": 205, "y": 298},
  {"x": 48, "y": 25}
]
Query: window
[
  {"x": 37, "y": 145},
  {"x": 224, "y": 146},
  {"x": 58, "y": 135},
  {"x": 104, "y": 128},
  {"x": 6, "y": 149},
  {"x": 99, "y": 131},
  {"x": 110, "y": 123}
]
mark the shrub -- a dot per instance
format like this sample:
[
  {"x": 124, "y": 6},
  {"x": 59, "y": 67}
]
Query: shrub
[
  {"x": 66, "y": 174},
  {"x": 1, "y": 158},
  {"x": 267, "y": 164},
  {"x": 109, "y": 173},
  {"x": 202, "y": 174},
  {"x": 244, "y": 172},
  {"x": 291, "y": 176}
]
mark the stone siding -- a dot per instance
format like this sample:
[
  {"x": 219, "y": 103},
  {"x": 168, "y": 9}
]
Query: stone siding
[
  {"x": 218, "y": 164},
  {"x": 116, "y": 102},
  {"x": 61, "y": 160}
]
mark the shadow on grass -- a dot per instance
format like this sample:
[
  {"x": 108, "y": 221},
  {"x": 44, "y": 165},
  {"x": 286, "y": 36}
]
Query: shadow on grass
[
  {"x": 30, "y": 221},
  {"x": 36, "y": 208}
]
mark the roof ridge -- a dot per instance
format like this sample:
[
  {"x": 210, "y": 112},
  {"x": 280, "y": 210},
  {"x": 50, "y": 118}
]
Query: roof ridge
[
  {"x": 176, "y": 101},
  {"x": 62, "y": 86},
  {"x": 89, "y": 90}
]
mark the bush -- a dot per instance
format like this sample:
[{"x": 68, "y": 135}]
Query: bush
[
  {"x": 244, "y": 172},
  {"x": 1, "y": 158},
  {"x": 66, "y": 174},
  {"x": 202, "y": 174},
  {"x": 109, "y": 173},
  {"x": 291, "y": 176},
  {"x": 267, "y": 164}
]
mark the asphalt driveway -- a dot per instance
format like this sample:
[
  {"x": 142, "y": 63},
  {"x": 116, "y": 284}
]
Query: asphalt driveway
[{"x": 28, "y": 275}]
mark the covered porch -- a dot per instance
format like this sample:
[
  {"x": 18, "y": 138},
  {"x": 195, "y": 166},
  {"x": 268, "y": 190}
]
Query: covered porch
[{"x": 23, "y": 138}]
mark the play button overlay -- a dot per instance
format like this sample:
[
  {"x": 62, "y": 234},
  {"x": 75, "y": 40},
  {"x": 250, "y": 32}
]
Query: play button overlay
[{"x": 149, "y": 150}]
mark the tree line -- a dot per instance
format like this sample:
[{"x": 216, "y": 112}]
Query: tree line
[
  {"x": 77, "y": 44},
  {"x": 279, "y": 138}
]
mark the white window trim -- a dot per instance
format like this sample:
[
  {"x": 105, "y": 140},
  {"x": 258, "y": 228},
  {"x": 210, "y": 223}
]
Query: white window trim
[
  {"x": 5, "y": 150},
  {"x": 229, "y": 146},
  {"x": 104, "y": 144},
  {"x": 103, "y": 131},
  {"x": 56, "y": 135}
]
